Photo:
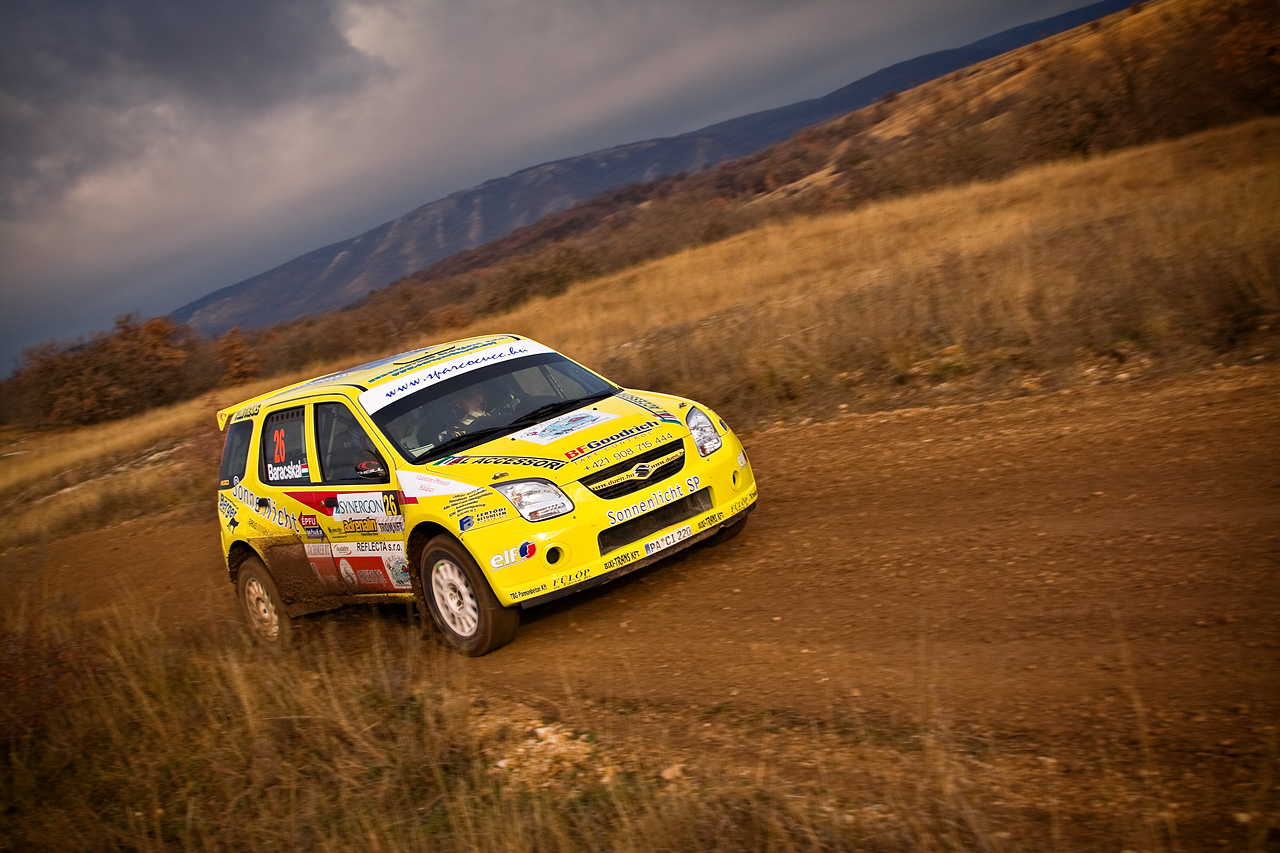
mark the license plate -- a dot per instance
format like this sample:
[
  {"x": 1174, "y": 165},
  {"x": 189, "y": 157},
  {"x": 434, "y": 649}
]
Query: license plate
[{"x": 664, "y": 542}]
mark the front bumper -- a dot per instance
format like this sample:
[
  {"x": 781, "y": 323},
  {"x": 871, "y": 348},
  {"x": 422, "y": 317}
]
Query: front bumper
[{"x": 605, "y": 539}]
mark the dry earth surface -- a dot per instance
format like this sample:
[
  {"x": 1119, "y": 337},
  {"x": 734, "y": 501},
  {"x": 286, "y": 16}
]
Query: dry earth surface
[{"x": 1058, "y": 608}]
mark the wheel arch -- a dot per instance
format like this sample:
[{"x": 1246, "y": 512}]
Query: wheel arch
[
  {"x": 422, "y": 533},
  {"x": 237, "y": 554}
]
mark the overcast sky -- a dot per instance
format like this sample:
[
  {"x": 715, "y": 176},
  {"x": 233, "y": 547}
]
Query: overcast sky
[{"x": 152, "y": 151}]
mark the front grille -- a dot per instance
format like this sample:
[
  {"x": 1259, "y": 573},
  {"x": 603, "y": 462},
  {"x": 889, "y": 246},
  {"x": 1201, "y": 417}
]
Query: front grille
[
  {"x": 669, "y": 464},
  {"x": 651, "y": 522}
]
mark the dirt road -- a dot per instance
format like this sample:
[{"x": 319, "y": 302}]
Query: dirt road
[{"x": 1090, "y": 578}]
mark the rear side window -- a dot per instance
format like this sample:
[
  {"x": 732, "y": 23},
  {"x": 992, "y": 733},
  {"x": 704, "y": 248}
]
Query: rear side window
[
  {"x": 235, "y": 454},
  {"x": 284, "y": 449}
]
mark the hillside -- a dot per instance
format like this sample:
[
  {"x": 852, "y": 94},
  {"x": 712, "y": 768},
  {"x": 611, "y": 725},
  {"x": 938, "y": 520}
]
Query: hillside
[
  {"x": 1156, "y": 72},
  {"x": 1162, "y": 71},
  {"x": 1156, "y": 261},
  {"x": 344, "y": 272}
]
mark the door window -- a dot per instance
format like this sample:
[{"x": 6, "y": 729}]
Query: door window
[{"x": 346, "y": 453}]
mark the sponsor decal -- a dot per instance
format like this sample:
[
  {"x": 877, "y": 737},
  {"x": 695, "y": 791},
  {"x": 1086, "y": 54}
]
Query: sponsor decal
[
  {"x": 228, "y": 509},
  {"x": 481, "y": 519},
  {"x": 272, "y": 512},
  {"x": 525, "y": 593},
  {"x": 559, "y": 427},
  {"x": 314, "y": 532},
  {"x": 399, "y": 571},
  {"x": 742, "y": 459},
  {"x": 379, "y": 546},
  {"x": 711, "y": 520},
  {"x": 369, "y": 512},
  {"x": 371, "y": 577},
  {"x": 743, "y": 502},
  {"x": 601, "y": 443},
  {"x": 359, "y": 525},
  {"x": 621, "y": 560},
  {"x": 287, "y": 471},
  {"x": 468, "y": 503},
  {"x": 348, "y": 573},
  {"x": 382, "y": 396},
  {"x": 528, "y": 461},
  {"x": 626, "y": 451},
  {"x": 245, "y": 496},
  {"x": 343, "y": 549},
  {"x": 570, "y": 579},
  {"x": 642, "y": 471},
  {"x": 664, "y": 542},
  {"x": 422, "y": 361},
  {"x": 653, "y": 408},
  {"x": 246, "y": 412},
  {"x": 518, "y": 554},
  {"x": 317, "y": 550},
  {"x": 653, "y": 501},
  {"x": 418, "y": 485},
  {"x": 308, "y": 521},
  {"x": 361, "y": 505}
]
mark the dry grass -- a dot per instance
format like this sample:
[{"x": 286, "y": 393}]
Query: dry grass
[
  {"x": 59, "y": 481},
  {"x": 1160, "y": 258},
  {"x": 1153, "y": 259},
  {"x": 1169, "y": 252},
  {"x": 118, "y": 734}
]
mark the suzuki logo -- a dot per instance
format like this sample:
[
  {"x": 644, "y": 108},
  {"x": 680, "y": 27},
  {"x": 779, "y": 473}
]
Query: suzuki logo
[{"x": 642, "y": 471}]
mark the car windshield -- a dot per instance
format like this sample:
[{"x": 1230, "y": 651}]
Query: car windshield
[{"x": 487, "y": 403}]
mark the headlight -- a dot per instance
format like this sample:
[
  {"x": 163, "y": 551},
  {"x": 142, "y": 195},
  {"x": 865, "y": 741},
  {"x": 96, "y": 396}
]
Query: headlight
[
  {"x": 705, "y": 437},
  {"x": 536, "y": 500}
]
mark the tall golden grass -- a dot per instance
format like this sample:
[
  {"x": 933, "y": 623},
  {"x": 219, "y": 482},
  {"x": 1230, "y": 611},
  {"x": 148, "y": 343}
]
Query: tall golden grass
[
  {"x": 1159, "y": 258},
  {"x": 1171, "y": 251},
  {"x": 118, "y": 734}
]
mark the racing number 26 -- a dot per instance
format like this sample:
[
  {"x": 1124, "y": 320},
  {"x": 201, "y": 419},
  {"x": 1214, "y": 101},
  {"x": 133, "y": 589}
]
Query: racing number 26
[{"x": 280, "y": 454}]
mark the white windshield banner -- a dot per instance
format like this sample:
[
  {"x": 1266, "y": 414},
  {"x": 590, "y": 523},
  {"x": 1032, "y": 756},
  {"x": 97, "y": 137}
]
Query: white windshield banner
[{"x": 384, "y": 395}]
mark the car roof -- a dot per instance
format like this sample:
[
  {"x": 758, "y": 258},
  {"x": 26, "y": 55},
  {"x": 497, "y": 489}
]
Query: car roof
[{"x": 368, "y": 375}]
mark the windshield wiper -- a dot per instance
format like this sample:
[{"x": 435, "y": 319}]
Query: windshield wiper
[
  {"x": 471, "y": 439},
  {"x": 550, "y": 409},
  {"x": 460, "y": 442}
]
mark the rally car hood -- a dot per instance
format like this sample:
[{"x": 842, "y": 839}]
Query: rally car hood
[{"x": 560, "y": 449}]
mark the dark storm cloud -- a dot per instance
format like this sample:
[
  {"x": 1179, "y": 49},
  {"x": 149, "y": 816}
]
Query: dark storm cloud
[
  {"x": 85, "y": 84},
  {"x": 152, "y": 151}
]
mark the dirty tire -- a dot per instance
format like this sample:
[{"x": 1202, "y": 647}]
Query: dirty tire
[
  {"x": 261, "y": 606},
  {"x": 462, "y": 605}
]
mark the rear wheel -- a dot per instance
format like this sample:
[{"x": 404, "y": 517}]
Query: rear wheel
[
  {"x": 261, "y": 605},
  {"x": 460, "y": 601}
]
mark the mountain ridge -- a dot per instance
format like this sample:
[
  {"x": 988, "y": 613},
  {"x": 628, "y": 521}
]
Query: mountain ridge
[{"x": 343, "y": 272}]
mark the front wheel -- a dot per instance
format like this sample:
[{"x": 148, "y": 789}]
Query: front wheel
[
  {"x": 460, "y": 601},
  {"x": 261, "y": 604}
]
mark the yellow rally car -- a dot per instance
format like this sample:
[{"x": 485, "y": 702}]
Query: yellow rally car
[{"x": 475, "y": 477}]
